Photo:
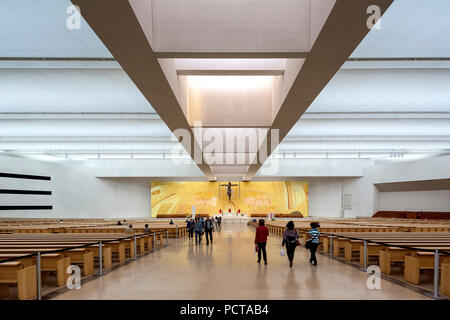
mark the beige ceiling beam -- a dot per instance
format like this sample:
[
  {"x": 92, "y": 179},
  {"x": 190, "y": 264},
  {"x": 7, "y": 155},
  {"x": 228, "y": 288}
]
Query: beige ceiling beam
[
  {"x": 116, "y": 24},
  {"x": 344, "y": 29}
]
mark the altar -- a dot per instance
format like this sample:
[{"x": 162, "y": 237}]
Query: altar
[{"x": 233, "y": 216}]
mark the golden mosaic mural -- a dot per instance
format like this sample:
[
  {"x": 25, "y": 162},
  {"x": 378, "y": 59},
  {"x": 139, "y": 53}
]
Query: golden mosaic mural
[{"x": 210, "y": 197}]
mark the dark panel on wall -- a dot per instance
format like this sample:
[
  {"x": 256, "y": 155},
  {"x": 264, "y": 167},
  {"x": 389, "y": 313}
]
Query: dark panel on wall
[
  {"x": 23, "y": 176},
  {"x": 424, "y": 185},
  {"x": 26, "y": 207},
  {"x": 9, "y": 191}
]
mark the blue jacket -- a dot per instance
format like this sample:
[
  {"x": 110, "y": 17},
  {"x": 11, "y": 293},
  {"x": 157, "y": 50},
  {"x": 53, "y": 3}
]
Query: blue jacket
[{"x": 198, "y": 226}]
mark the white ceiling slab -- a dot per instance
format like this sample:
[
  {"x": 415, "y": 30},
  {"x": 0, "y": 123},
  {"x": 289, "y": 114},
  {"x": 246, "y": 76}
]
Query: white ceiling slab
[
  {"x": 230, "y": 171},
  {"x": 410, "y": 28},
  {"x": 84, "y": 128},
  {"x": 223, "y": 101},
  {"x": 69, "y": 90},
  {"x": 37, "y": 28},
  {"x": 234, "y": 25},
  {"x": 45, "y": 63},
  {"x": 398, "y": 64},
  {"x": 92, "y": 147},
  {"x": 369, "y": 127},
  {"x": 385, "y": 90},
  {"x": 230, "y": 64}
]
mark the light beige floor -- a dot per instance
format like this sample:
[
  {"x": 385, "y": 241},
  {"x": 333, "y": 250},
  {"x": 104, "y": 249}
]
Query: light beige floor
[{"x": 228, "y": 270}]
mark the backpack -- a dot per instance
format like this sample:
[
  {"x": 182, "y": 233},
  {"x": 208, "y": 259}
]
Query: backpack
[{"x": 292, "y": 241}]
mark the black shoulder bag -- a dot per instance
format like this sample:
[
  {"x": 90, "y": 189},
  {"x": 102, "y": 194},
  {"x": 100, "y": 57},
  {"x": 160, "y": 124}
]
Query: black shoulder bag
[{"x": 308, "y": 243}]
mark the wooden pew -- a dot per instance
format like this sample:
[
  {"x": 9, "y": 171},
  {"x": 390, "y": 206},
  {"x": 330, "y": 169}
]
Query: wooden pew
[
  {"x": 353, "y": 246},
  {"x": 14, "y": 273},
  {"x": 374, "y": 250},
  {"x": 445, "y": 279},
  {"x": 55, "y": 262},
  {"x": 84, "y": 257},
  {"x": 106, "y": 254},
  {"x": 414, "y": 262},
  {"x": 81, "y": 256},
  {"x": 388, "y": 255}
]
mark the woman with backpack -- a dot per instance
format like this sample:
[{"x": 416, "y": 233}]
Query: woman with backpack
[{"x": 290, "y": 239}]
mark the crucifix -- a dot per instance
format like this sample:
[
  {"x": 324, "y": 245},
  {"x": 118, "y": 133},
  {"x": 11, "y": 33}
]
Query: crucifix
[{"x": 228, "y": 186}]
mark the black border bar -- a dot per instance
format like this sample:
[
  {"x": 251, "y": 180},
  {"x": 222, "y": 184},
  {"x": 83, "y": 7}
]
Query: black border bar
[
  {"x": 37, "y": 192},
  {"x": 23, "y": 176},
  {"x": 26, "y": 207}
]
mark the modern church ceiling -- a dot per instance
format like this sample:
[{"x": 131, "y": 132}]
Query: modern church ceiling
[{"x": 74, "y": 94}]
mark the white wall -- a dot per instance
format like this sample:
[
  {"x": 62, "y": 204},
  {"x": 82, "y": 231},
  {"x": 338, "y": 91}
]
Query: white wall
[
  {"x": 324, "y": 197},
  {"x": 436, "y": 200},
  {"x": 76, "y": 192}
]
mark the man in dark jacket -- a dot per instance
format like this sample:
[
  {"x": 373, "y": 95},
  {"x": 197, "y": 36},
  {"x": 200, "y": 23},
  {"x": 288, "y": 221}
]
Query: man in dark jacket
[
  {"x": 190, "y": 228},
  {"x": 209, "y": 228}
]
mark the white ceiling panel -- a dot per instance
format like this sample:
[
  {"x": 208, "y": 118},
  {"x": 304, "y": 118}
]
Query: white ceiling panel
[
  {"x": 349, "y": 128},
  {"x": 84, "y": 128},
  {"x": 37, "y": 28},
  {"x": 385, "y": 90},
  {"x": 232, "y": 25},
  {"x": 410, "y": 28},
  {"x": 69, "y": 90}
]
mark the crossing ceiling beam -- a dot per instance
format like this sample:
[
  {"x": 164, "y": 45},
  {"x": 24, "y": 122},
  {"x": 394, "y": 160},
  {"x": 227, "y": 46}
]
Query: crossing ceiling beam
[
  {"x": 344, "y": 29},
  {"x": 116, "y": 24}
]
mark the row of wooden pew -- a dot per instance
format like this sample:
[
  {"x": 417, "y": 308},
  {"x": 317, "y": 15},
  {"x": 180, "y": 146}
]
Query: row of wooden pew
[
  {"x": 22, "y": 245},
  {"x": 390, "y": 244},
  {"x": 365, "y": 225},
  {"x": 413, "y": 250},
  {"x": 175, "y": 230}
]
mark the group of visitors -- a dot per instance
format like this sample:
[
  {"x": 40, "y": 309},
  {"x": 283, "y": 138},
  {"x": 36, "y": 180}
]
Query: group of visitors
[
  {"x": 200, "y": 227},
  {"x": 290, "y": 241},
  {"x": 129, "y": 229}
]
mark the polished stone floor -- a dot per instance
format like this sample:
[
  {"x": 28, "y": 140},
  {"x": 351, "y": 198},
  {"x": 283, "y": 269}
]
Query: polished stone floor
[{"x": 228, "y": 270}]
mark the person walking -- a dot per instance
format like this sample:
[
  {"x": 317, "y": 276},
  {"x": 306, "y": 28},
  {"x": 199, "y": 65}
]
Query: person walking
[
  {"x": 261, "y": 240},
  {"x": 209, "y": 228},
  {"x": 290, "y": 239},
  {"x": 314, "y": 239},
  {"x": 190, "y": 228},
  {"x": 198, "y": 229}
]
